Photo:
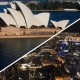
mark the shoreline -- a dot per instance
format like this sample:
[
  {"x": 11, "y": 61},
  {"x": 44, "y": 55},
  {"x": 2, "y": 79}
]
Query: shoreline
[
  {"x": 12, "y": 32},
  {"x": 13, "y": 37},
  {"x": 58, "y": 10}
]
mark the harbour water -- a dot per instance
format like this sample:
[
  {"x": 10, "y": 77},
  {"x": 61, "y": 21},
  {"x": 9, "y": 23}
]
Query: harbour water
[{"x": 12, "y": 49}]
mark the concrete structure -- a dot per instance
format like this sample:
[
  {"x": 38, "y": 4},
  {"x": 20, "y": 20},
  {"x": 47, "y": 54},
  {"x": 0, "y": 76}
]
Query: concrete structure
[
  {"x": 21, "y": 22},
  {"x": 26, "y": 13},
  {"x": 23, "y": 16},
  {"x": 17, "y": 16},
  {"x": 61, "y": 24},
  {"x": 8, "y": 20},
  {"x": 6, "y": 32},
  {"x": 44, "y": 18}
]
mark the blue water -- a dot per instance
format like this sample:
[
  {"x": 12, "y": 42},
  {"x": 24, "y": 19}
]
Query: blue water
[{"x": 2, "y": 7}]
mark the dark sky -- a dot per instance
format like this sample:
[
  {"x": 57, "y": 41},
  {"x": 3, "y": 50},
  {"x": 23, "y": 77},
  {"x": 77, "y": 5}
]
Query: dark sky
[{"x": 74, "y": 28}]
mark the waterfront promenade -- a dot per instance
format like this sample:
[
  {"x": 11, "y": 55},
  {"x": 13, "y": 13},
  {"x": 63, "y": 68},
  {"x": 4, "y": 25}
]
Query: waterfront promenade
[
  {"x": 13, "y": 32},
  {"x": 35, "y": 36}
]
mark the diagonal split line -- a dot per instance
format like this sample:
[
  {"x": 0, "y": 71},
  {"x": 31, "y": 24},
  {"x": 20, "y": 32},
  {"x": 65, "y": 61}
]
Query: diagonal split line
[{"x": 39, "y": 45}]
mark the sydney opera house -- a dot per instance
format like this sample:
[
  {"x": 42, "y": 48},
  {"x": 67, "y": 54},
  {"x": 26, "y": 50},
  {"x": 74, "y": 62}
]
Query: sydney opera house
[{"x": 18, "y": 20}]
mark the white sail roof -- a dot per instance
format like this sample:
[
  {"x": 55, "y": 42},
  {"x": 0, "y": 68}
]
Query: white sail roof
[
  {"x": 7, "y": 19},
  {"x": 17, "y": 17},
  {"x": 5, "y": 11},
  {"x": 54, "y": 23},
  {"x": 61, "y": 24},
  {"x": 21, "y": 15},
  {"x": 13, "y": 6},
  {"x": 28, "y": 15},
  {"x": 37, "y": 20},
  {"x": 44, "y": 18}
]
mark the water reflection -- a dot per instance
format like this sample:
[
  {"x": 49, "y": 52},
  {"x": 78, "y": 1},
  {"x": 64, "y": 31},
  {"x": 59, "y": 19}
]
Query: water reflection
[{"x": 11, "y": 49}]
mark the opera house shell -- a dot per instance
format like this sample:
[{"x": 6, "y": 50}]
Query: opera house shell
[
  {"x": 19, "y": 20},
  {"x": 20, "y": 15},
  {"x": 62, "y": 24}
]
